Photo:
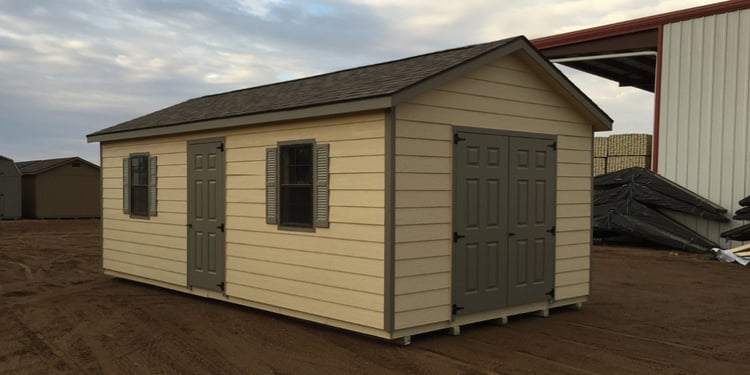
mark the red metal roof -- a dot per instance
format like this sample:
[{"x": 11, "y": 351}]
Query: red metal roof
[{"x": 639, "y": 24}]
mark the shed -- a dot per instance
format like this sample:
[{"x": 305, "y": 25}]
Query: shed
[
  {"x": 392, "y": 199},
  {"x": 696, "y": 61},
  {"x": 60, "y": 188},
  {"x": 10, "y": 189}
]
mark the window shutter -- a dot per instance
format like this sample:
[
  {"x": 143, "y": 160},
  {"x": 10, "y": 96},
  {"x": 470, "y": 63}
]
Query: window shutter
[
  {"x": 271, "y": 184},
  {"x": 126, "y": 185},
  {"x": 321, "y": 186},
  {"x": 152, "y": 186}
]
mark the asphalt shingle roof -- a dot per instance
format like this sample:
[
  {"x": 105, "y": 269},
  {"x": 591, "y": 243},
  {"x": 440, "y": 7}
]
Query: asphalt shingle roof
[
  {"x": 37, "y": 166},
  {"x": 352, "y": 84}
]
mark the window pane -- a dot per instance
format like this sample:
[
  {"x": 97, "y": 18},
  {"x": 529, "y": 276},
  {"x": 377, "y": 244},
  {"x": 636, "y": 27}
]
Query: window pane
[
  {"x": 303, "y": 175},
  {"x": 295, "y": 190},
  {"x": 139, "y": 185},
  {"x": 296, "y": 205},
  {"x": 139, "y": 200}
]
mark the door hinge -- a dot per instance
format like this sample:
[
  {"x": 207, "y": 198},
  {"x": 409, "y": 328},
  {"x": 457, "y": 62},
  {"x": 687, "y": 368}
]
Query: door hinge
[
  {"x": 553, "y": 145},
  {"x": 221, "y": 286},
  {"x": 457, "y": 138},
  {"x": 220, "y": 147},
  {"x": 221, "y": 227},
  {"x": 551, "y": 294},
  {"x": 456, "y": 308},
  {"x": 552, "y": 230},
  {"x": 457, "y": 236}
]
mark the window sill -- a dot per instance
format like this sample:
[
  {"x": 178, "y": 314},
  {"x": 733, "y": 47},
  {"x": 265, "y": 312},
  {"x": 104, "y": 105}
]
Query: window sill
[{"x": 296, "y": 229}]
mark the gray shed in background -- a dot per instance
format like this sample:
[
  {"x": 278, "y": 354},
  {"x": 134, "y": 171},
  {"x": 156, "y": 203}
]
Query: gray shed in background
[
  {"x": 10, "y": 189},
  {"x": 61, "y": 188}
]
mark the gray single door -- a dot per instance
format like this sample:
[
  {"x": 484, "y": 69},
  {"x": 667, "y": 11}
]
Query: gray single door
[
  {"x": 531, "y": 220},
  {"x": 480, "y": 222},
  {"x": 206, "y": 254}
]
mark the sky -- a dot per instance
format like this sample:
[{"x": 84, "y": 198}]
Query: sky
[{"x": 69, "y": 68}]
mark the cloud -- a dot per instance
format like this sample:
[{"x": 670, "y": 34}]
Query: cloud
[{"x": 71, "y": 67}]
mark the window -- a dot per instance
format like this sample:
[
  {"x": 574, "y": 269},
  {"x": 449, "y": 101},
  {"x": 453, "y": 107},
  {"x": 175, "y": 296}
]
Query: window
[
  {"x": 297, "y": 185},
  {"x": 139, "y": 185}
]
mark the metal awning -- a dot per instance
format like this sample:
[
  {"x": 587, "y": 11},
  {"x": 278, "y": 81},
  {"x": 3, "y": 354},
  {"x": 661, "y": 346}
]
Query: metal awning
[{"x": 629, "y": 59}]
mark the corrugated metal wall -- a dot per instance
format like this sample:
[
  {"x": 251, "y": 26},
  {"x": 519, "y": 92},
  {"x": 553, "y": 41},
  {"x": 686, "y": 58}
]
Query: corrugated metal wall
[{"x": 705, "y": 110}]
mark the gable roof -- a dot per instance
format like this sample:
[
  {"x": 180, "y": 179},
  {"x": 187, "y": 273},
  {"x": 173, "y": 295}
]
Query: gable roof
[
  {"x": 377, "y": 86},
  {"x": 34, "y": 167},
  {"x": 11, "y": 163}
]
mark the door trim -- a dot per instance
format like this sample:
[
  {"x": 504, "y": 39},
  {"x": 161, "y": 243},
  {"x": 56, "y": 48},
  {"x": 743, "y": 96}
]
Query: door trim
[{"x": 454, "y": 198}]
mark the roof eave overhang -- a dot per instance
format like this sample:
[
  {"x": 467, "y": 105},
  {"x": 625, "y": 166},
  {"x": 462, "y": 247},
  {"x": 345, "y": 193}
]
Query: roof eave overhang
[
  {"x": 332, "y": 109},
  {"x": 639, "y": 24}
]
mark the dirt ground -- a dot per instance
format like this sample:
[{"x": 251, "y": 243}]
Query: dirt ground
[{"x": 650, "y": 312}]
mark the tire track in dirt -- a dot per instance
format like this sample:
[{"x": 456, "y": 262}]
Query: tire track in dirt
[
  {"x": 639, "y": 337},
  {"x": 557, "y": 363},
  {"x": 464, "y": 364},
  {"x": 39, "y": 345},
  {"x": 26, "y": 269}
]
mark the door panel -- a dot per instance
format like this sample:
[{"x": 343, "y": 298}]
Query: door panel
[
  {"x": 503, "y": 213},
  {"x": 206, "y": 255},
  {"x": 531, "y": 246},
  {"x": 480, "y": 201}
]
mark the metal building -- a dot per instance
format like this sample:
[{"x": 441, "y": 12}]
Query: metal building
[
  {"x": 697, "y": 63},
  {"x": 10, "y": 189}
]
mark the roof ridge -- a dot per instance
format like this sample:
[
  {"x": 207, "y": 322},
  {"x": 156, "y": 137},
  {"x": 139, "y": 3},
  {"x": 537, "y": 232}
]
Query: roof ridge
[{"x": 402, "y": 59}]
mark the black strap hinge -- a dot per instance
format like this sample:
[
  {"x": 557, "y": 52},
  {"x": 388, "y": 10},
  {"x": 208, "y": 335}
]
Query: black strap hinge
[
  {"x": 457, "y": 138},
  {"x": 551, "y": 294},
  {"x": 457, "y": 236},
  {"x": 456, "y": 308},
  {"x": 553, "y": 145},
  {"x": 221, "y": 286},
  {"x": 220, "y": 147},
  {"x": 552, "y": 230},
  {"x": 221, "y": 227}
]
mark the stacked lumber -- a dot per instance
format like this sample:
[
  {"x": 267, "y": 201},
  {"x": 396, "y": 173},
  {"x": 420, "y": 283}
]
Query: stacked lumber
[
  {"x": 739, "y": 254},
  {"x": 628, "y": 150},
  {"x": 742, "y": 251},
  {"x": 741, "y": 233},
  {"x": 600, "y": 155}
]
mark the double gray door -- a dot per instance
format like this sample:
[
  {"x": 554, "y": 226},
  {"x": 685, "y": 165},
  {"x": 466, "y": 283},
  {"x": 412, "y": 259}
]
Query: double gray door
[
  {"x": 206, "y": 254},
  {"x": 504, "y": 217}
]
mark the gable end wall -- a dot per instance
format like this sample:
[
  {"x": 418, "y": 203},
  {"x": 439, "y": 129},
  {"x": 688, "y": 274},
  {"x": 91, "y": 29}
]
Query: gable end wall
[{"x": 504, "y": 95}]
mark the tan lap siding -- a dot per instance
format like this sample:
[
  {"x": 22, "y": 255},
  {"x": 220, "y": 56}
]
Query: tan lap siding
[
  {"x": 505, "y": 95},
  {"x": 154, "y": 248},
  {"x": 334, "y": 272}
]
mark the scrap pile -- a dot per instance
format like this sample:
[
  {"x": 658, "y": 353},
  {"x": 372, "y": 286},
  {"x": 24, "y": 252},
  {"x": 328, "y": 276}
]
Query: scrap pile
[
  {"x": 740, "y": 254},
  {"x": 741, "y": 233},
  {"x": 628, "y": 207}
]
